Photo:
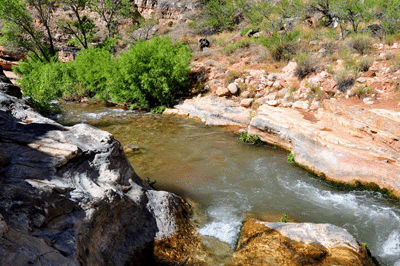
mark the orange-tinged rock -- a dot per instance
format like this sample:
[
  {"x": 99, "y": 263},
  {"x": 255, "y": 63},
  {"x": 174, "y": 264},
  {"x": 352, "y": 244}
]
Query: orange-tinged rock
[{"x": 292, "y": 244}]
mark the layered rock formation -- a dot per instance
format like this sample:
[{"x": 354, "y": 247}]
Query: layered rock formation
[
  {"x": 347, "y": 144},
  {"x": 68, "y": 196},
  {"x": 285, "y": 244}
]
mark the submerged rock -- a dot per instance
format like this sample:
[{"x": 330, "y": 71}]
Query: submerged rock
[
  {"x": 284, "y": 244},
  {"x": 68, "y": 196}
]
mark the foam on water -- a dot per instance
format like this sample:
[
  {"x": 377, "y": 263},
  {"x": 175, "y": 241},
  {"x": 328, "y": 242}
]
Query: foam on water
[
  {"x": 391, "y": 246},
  {"x": 225, "y": 224},
  {"x": 360, "y": 208}
]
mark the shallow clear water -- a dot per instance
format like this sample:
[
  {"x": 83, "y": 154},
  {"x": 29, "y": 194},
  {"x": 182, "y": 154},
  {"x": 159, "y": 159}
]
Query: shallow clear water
[{"x": 230, "y": 179}]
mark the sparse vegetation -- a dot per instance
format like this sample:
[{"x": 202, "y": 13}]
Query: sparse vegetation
[
  {"x": 361, "y": 43},
  {"x": 290, "y": 158},
  {"x": 245, "y": 137},
  {"x": 306, "y": 64},
  {"x": 364, "y": 64},
  {"x": 345, "y": 79},
  {"x": 282, "y": 46},
  {"x": 284, "y": 218},
  {"x": 362, "y": 91}
]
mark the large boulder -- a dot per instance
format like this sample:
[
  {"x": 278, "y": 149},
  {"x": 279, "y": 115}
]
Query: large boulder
[
  {"x": 291, "y": 244},
  {"x": 68, "y": 196}
]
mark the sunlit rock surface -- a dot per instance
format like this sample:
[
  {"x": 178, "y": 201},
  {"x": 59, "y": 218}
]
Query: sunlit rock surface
[{"x": 285, "y": 244}]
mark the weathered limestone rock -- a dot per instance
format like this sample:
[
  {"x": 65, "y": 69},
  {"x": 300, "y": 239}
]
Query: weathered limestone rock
[
  {"x": 291, "y": 244},
  {"x": 233, "y": 88},
  {"x": 348, "y": 144},
  {"x": 246, "y": 102},
  {"x": 221, "y": 92},
  {"x": 68, "y": 196},
  {"x": 215, "y": 111},
  {"x": 301, "y": 105}
]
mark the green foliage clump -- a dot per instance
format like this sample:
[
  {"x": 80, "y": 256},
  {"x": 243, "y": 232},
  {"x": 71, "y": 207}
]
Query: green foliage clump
[
  {"x": 361, "y": 43},
  {"x": 223, "y": 14},
  {"x": 152, "y": 73},
  {"x": 364, "y": 64},
  {"x": 93, "y": 69},
  {"x": 284, "y": 218},
  {"x": 283, "y": 47},
  {"x": 245, "y": 137},
  {"x": 244, "y": 43},
  {"x": 363, "y": 91},
  {"x": 46, "y": 81},
  {"x": 290, "y": 158},
  {"x": 306, "y": 64},
  {"x": 345, "y": 79}
]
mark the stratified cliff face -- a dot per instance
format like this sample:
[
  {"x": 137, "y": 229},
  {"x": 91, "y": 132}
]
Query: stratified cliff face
[{"x": 68, "y": 195}]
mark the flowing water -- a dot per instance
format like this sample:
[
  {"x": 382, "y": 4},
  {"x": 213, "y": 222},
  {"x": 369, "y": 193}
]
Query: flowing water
[{"x": 230, "y": 179}]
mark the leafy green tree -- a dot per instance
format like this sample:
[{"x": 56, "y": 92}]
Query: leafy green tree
[
  {"x": 325, "y": 8},
  {"x": 19, "y": 29},
  {"x": 111, "y": 10},
  {"x": 258, "y": 12},
  {"x": 224, "y": 14},
  {"x": 285, "y": 9},
  {"x": 389, "y": 14},
  {"x": 82, "y": 27},
  {"x": 354, "y": 11}
]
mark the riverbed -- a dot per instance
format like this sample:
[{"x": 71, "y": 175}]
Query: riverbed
[{"x": 231, "y": 180}]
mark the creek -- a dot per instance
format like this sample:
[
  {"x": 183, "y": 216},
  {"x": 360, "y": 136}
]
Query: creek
[{"x": 231, "y": 180}]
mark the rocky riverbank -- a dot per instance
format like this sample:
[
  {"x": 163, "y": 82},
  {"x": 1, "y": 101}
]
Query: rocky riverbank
[
  {"x": 354, "y": 145},
  {"x": 348, "y": 136},
  {"x": 70, "y": 197}
]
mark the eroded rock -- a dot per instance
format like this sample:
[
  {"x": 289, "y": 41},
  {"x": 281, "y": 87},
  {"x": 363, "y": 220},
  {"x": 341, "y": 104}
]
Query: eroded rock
[
  {"x": 68, "y": 196},
  {"x": 285, "y": 244}
]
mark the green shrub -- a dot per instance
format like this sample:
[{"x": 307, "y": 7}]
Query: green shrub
[
  {"x": 283, "y": 47},
  {"x": 284, "y": 218},
  {"x": 244, "y": 43},
  {"x": 223, "y": 14},
  {"x": 45, "y": 81},
  {"x": 362, "y": 91},
  {"x": 152, "y": 73},
  {"x": 361, "y": 43},
  {"x": 93, "y": 68},
  {"x": 345, "y": 79},
  {"x": 364, "y": 64},
  {"x": 232, "y": 76},
  {"x": 306, "y": 64}
]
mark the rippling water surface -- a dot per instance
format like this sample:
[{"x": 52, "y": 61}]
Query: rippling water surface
[{"x": 230, "y": 179}]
